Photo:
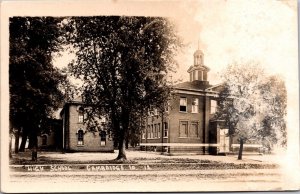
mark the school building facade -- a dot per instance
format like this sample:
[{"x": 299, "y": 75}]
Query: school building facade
[{"x": 187, "y": 126}]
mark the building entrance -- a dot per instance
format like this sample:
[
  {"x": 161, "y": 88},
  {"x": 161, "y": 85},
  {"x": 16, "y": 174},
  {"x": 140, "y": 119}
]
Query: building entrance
[{"x": 224, "y": 141}]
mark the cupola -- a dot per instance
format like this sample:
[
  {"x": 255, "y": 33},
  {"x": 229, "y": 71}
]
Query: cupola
[{"x": 198, "y": 72}]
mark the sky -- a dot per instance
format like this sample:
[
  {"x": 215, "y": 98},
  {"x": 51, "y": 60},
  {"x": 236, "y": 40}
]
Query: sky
[{"x": 263, "y": 32}]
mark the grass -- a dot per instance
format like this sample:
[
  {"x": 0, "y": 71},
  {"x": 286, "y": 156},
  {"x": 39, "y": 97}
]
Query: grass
[{"x": 157, "y": 163}]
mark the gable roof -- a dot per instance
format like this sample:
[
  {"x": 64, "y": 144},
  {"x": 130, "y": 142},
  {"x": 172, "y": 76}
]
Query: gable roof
[{"x": 216, "y": 88}]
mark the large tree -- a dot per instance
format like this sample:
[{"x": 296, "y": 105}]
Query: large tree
[
  {"x": 123, "y": 62},
  {"x": 33, "y": 81},
  {"x": 253, "y": 105}
]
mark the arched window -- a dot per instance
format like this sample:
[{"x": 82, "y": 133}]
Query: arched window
[
  {"x": 80, "y": 137},
  {"x": 80, "y": 114}
]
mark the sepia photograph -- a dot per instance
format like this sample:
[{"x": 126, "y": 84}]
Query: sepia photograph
[{"x": 149, "y": 96}]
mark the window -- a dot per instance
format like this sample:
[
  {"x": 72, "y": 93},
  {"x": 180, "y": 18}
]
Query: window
[
  {"x": 195, "y": 105},
  {"x": 80, "y": 137},
  {"x": 102, "y": 138},
  {"x": 183, "y": 103},
  {"x": 158, "y": 130},
  {"x": 167, "y": 108},
  {"x": 151, "y": 135},
  {"x": 155, "y": 131},
  {"x": 183, "y": 129},
  {"x": 80, "y": 114},
  {"x": 200, "y": 75},
  {"x": 194, "y": 129},
  {"x": 149, "y": 132},
  {"x": 213, "y": 106},
  {"x": 144, "y": 134},
  {"x": 166, "y": 129},
  {"x": 194, "y": 75}
]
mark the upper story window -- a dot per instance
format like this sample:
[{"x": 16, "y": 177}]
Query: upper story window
[
  {"x": 167, "y": 108},
  {"x": 183, "y": 104},
  {"x": 213, "y": 106},
  {"x": 195, "y": 105},
  {"x": 80, "y": 114}
]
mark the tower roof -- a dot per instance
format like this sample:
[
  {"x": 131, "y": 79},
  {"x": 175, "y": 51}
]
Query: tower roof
[
  {"x": 198, "y": 52},
  {"x": 202, "y": 67}
]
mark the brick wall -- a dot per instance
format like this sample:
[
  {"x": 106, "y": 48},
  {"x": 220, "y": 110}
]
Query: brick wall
[
  {"x": 174, "y": 117},
  {"x": 91, "y": 140}
]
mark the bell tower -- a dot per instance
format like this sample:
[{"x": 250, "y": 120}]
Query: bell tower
[
  {"x": 198, "y": 58},
  {"x": 198, "y": 71}
]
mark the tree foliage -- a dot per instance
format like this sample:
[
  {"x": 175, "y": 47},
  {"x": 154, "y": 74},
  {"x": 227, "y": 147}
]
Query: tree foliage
[
  {"x": 123, "y": 62},
  {"x": 253, "y": 104},
  {"x": 34, "y": 83}
]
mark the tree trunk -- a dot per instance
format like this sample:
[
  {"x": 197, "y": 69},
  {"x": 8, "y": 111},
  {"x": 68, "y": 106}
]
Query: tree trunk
[
  {"x": 17, "y": 137},
  {"x": 34, "y": 145},
  {"x": 34, "y": 153},
  {"x": 122, "y": 153},
  {"x": 31, "y": 142},
  {"x": 127, "y": 142},
  {"x": 122, "y": 141},
  {"x": 24, "y": 139},
  {"x": 241, "y": 149}
]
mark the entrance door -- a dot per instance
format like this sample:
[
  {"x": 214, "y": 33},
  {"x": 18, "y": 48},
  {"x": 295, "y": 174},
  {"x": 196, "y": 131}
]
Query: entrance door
[{"x": 224, "y": 141}]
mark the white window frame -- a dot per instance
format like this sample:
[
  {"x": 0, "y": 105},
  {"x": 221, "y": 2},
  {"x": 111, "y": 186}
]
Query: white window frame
[
  {"x": 184, "y": 104},
  {"x": 195, "y": 107},
  {"x": 80, "y": 118},
  {"x": 213, "y": 109}
]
